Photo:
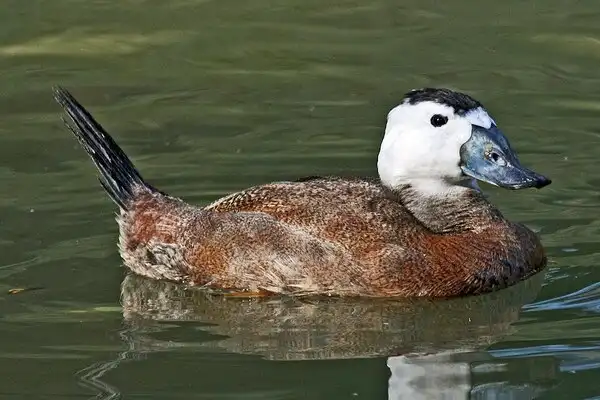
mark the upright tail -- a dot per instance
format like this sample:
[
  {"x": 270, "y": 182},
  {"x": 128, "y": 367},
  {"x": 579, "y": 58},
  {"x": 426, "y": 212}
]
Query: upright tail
[{"x": 118, "y": 175}]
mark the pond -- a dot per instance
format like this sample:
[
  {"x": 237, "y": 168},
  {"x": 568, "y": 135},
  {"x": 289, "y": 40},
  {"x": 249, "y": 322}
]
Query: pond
[{"x": 210, "y": 97}]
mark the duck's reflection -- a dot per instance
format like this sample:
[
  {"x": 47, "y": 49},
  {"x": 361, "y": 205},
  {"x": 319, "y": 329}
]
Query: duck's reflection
[
  {"x": 417, "y": 337},
  {"x": 292, "y": 329},
  {"x": 428, "y": 377}
]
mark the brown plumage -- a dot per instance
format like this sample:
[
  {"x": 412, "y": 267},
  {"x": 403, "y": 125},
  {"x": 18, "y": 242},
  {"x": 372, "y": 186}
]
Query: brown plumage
[{"x": 318, "y": 235}]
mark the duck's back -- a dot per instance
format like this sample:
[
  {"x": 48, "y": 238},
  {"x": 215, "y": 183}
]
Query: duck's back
[{"x": 356, "y": 213}]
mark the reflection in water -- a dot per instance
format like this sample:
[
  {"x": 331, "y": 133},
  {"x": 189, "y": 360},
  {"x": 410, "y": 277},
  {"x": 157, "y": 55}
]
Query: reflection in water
[
  {"x": 428, "y": 377},
  {"x": 289, "y": 328},
  {"x": 419, "y": 353},
  {"x": 92, "y": 378}
]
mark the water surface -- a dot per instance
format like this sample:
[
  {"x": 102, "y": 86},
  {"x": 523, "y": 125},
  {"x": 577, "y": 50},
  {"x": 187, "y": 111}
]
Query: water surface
[{"x": 210, "y": 97}]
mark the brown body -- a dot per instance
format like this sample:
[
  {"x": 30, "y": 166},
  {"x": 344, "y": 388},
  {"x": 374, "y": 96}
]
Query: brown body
[{"x": 330, "y": 236}]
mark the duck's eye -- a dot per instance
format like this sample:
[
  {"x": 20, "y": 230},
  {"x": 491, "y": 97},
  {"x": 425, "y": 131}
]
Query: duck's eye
[
  {"x": 496, "y": 158},
  {"x": 438, "y": 120}
]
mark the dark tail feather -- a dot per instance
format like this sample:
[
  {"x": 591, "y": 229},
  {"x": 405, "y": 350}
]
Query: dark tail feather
[{"x": 118, "y": 175}]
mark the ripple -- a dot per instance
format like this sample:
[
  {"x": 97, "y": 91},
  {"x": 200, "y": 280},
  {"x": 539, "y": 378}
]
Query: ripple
[
  {"x": 76, "y": 42},
  {"x": 587, "y": 298}
]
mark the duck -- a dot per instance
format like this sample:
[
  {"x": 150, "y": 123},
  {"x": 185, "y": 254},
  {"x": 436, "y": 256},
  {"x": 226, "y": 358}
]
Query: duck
[{"x": 422, "y": 228}]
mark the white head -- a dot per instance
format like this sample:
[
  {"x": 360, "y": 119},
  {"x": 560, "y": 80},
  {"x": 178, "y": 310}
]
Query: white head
[{"x": 424, "y": 145}]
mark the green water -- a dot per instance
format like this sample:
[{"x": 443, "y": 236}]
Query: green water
[{"x": 210, "y": 97}]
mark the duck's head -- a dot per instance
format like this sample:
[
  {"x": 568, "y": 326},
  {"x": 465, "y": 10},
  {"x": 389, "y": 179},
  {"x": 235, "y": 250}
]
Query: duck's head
[{"x": 437, "y": 139}]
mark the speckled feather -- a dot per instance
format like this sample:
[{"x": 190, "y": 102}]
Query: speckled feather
[{"x": 329, "y": 236}]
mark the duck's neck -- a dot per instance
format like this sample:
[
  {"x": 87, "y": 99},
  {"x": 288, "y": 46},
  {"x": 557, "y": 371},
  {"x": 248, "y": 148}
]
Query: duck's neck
[{"x": 452, "y": 208}]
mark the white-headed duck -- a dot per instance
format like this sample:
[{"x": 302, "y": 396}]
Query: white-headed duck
[{"x": 423, "y": 228}]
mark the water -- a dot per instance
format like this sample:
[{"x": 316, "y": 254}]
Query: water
[{"x": 210, "y": 97}]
